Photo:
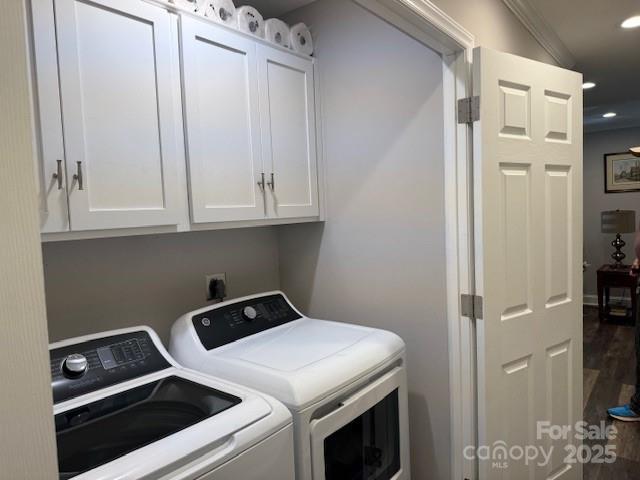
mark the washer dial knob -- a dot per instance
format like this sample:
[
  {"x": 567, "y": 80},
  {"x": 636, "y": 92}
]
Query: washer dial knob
[
  {"x": 75, "y": 365},
  {"x": 249, "y": 313}
]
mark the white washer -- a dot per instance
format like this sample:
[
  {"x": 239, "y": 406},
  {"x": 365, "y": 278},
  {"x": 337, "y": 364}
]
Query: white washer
[
  {"x": 124, "y": 409},
  {"x": 345, "y": 384}
]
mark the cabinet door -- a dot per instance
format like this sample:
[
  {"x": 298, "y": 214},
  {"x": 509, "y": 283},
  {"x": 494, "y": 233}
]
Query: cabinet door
[
  {"x": 50, "y": 167},
  {"x": 222, "y": 123},
  {"x": 287, "y": 109},
  {"x": 115, "y": 69}
]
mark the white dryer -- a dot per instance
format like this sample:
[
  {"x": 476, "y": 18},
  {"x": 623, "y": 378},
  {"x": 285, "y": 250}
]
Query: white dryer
[
  {"x": 345, "y": 384},
  {"x": 125, "y": 410}
]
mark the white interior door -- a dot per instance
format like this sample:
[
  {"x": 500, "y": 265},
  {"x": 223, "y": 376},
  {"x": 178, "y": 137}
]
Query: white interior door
[
  {"x": 528, "y": 220},
  {"x": 115, "y": 69},
  {"x": 222, "y": 122},
  {"x": 287, "y": 109}
]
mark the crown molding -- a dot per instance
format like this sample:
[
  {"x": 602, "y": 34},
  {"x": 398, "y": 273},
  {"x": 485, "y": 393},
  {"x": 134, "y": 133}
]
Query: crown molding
[
  {"x": 541, "y": 31},
  {"x": 432, "y": 15}
]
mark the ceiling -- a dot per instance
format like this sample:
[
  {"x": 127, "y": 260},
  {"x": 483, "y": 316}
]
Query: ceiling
[{"x": 605, "y": 53}]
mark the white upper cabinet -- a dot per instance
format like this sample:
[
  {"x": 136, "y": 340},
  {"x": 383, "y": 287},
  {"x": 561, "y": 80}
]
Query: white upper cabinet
[
  {"x": 287, "y": 109},
  {"x": 115, "y": 69},
  {"x": 127, "y": 91},
  {"x": 222, "y": 123}
]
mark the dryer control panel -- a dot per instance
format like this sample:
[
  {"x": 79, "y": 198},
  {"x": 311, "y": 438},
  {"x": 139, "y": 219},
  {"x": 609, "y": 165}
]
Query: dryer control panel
[
  {"x": 233, "y": 321},
  {"x": 88, "y": 366}
]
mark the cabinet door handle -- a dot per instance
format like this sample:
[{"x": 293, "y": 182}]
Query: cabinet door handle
[
  {"x": 58, "y": 175},
  {"x": 272, "y": 183},
  {"x": 78, "y": 176},
  {"x": 261, "y": 182}
]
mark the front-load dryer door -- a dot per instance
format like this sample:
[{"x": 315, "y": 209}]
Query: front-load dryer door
[{"x": 365, "y": 437}]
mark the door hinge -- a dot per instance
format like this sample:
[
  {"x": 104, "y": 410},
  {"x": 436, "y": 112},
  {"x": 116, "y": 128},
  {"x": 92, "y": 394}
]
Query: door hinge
[
  {"x": 471, "y": 306},
  {"x": 469, "y": 109}
]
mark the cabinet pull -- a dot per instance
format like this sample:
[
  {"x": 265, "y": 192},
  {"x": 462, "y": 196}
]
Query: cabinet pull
[
  {"x": 78, "y": 176},
  {"x": 261, "y": 182},
  {"x": 58, "y": 174},
  {"x": 272, "y": 183}
]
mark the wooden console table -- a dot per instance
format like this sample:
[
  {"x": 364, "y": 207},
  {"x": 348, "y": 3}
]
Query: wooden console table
[{"x": 611, "y": 277}]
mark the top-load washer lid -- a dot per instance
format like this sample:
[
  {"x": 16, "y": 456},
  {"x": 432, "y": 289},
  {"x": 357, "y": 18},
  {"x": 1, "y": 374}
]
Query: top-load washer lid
[
  {"x": 124, "y": 409},
  {"x": 104, "y": 430},
  {"x": 278, "y": 351}
]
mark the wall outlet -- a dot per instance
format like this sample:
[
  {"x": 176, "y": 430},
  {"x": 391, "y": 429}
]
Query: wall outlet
[{"x": 209, "y": 279}]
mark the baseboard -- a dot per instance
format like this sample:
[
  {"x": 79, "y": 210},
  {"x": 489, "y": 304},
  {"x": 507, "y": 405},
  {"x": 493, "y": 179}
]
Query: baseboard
[{"x": 592, "y": 300}]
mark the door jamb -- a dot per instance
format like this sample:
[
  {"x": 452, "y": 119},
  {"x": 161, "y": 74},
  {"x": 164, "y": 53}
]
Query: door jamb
[{"x": 429, "y": 25}]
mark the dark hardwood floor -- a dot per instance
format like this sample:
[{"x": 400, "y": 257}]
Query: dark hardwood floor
[{"x": 609, "y": 380}]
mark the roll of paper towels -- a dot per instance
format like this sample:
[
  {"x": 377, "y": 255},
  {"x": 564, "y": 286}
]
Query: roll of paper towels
[
  {"x": 250, "y": 21},
  {"x": 276, "y": 31},
  {"x": 301, "y": 39},
  {"x": 223, "y": 11},
  {"x": 190, "y": 5},
  {"x": 202, "y": 6}
]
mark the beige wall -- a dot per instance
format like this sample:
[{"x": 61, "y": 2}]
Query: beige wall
[
  {"x": 97, "y": 285},
  {"x": 27, "y": 441},
  {"x": 494, "y": 25},
  {"x": 379, "y": 259},
  {"x": 597, "y": 245}
]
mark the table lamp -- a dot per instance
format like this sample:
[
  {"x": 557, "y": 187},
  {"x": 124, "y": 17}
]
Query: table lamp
[{"x": 618, "y": 222}]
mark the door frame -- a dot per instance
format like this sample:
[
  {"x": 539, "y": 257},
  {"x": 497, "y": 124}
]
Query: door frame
[{"x": 429, "y": 25}]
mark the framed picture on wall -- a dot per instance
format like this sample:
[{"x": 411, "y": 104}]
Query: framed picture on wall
[{"x": 621, "y": 173}]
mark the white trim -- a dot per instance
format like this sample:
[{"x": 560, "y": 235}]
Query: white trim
[
  {"x": 541, "y": 31},
  {"x": 592, "y": 300},
  {"x": 429, "y": 25},
  {"x": 181, "y": 228},
  {"x": 459, "y": 241}
]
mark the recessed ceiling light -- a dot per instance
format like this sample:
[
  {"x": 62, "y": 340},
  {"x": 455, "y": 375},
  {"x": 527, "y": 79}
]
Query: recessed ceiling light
[
  {"x": 631, "y": 22},
  {"x": 609, "y": 115},
  {"x": 588, "y": 85}
]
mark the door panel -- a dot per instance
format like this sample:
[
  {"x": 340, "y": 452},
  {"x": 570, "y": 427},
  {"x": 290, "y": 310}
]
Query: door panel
[
  {"x": 528, "y": 220},
  {"x": 288, "y": 128},
  {"x": 222, "y": 118},
  {"x": 115, "y": 75},
  {"x": 54, "y": 213}
]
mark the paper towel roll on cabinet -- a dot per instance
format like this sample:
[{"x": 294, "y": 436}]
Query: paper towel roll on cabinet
[
  {"x": 202, "y": 6},
  {"x": 223, "y": 11},
  {"x": 301, "y": 39},
  {"x": 190, "y": 5},
  {"x": 250, "y": 21},
  {"x": 276, "y": 31}
]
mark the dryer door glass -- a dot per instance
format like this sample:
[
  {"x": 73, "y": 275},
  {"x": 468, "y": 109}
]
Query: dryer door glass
[
  {"x": 99, "y": 432},
  {"x": 367, "y": 448}
]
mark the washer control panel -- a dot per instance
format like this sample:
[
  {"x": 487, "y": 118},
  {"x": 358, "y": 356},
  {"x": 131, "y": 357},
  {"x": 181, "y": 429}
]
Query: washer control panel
[
  {"x": 88, "y": 366},
  {"x": 226, "y": 324}
]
